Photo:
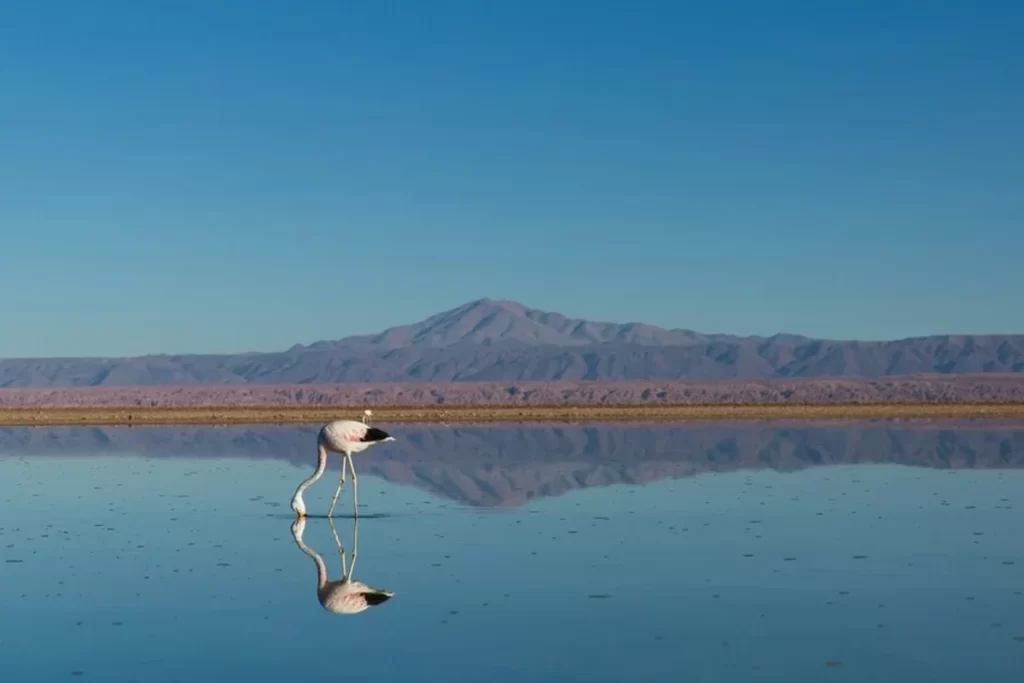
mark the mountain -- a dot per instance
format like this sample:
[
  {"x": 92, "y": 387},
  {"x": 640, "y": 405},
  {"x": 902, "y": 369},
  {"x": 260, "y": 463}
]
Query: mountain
[
  {"x": 500, "y": 341},
  {"x": 489, "y": 321}
]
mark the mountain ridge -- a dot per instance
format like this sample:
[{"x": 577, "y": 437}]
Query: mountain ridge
[
  {"x": 486, "y": 321},
  {"x": 502, "y": 340}
]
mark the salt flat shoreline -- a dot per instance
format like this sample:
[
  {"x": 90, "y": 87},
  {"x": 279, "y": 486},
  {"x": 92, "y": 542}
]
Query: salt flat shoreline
[{"x": 463, "y": 414}]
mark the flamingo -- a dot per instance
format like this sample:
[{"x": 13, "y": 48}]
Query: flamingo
[
  {"x": 345, "y": 437},
  {"x": 346, "y": 596}
]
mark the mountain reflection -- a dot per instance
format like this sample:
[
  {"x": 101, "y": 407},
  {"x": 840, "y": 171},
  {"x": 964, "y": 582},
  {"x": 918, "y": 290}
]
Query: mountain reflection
[{"x": 496, "y": 466}]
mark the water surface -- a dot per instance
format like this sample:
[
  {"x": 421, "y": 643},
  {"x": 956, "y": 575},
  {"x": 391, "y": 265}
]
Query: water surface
[{"x": 755, "y": 552}]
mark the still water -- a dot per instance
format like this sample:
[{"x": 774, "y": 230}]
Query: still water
[{"x": 758, "y": 552}]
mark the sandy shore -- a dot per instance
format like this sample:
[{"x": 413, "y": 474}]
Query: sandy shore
[{"x": 476, "y": 414}]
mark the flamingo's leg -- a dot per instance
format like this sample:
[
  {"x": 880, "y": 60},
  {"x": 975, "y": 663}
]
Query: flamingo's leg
[
  {"x": 341, "y": 549},
  {"x": 341, "y": 482},
  {"x": 355, "y": 543},
  {"x": 355, "y": 487}
]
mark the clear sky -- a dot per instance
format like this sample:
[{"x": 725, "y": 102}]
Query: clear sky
[{"x": 243, "y": 175}]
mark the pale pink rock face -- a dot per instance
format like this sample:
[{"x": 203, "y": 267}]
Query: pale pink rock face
[{"x": 932, "y": 389}]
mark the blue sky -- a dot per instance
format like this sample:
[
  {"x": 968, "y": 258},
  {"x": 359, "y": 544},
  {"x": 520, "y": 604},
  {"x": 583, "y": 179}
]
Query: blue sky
[{"x": 222, "y": 176}]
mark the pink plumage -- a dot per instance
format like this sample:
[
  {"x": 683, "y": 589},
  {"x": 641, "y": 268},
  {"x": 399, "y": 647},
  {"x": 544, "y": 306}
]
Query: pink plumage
[{"x": 345, "y": 437}]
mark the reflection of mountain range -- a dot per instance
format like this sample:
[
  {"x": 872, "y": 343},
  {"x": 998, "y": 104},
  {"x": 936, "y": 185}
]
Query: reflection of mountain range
[{"x": 503, "y": 466}]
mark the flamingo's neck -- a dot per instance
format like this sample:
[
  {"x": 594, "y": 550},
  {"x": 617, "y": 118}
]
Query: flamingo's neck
[
  {"x": 321, "y": 465},
  {"x": 321, "y": 566}
]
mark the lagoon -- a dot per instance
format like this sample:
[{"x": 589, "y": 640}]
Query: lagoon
[{"x": 703, "y": 552}]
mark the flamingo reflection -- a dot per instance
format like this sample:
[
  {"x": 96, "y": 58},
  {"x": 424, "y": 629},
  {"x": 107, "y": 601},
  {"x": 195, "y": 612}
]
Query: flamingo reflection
[{"x": 344, "y": 596}]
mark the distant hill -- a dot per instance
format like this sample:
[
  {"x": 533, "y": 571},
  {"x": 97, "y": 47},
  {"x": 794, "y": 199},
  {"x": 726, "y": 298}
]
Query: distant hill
[{"x": 499, "y": 341}]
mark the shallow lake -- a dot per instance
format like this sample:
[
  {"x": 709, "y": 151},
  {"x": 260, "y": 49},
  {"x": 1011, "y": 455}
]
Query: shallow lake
[{"x": 716, "y": 552}]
